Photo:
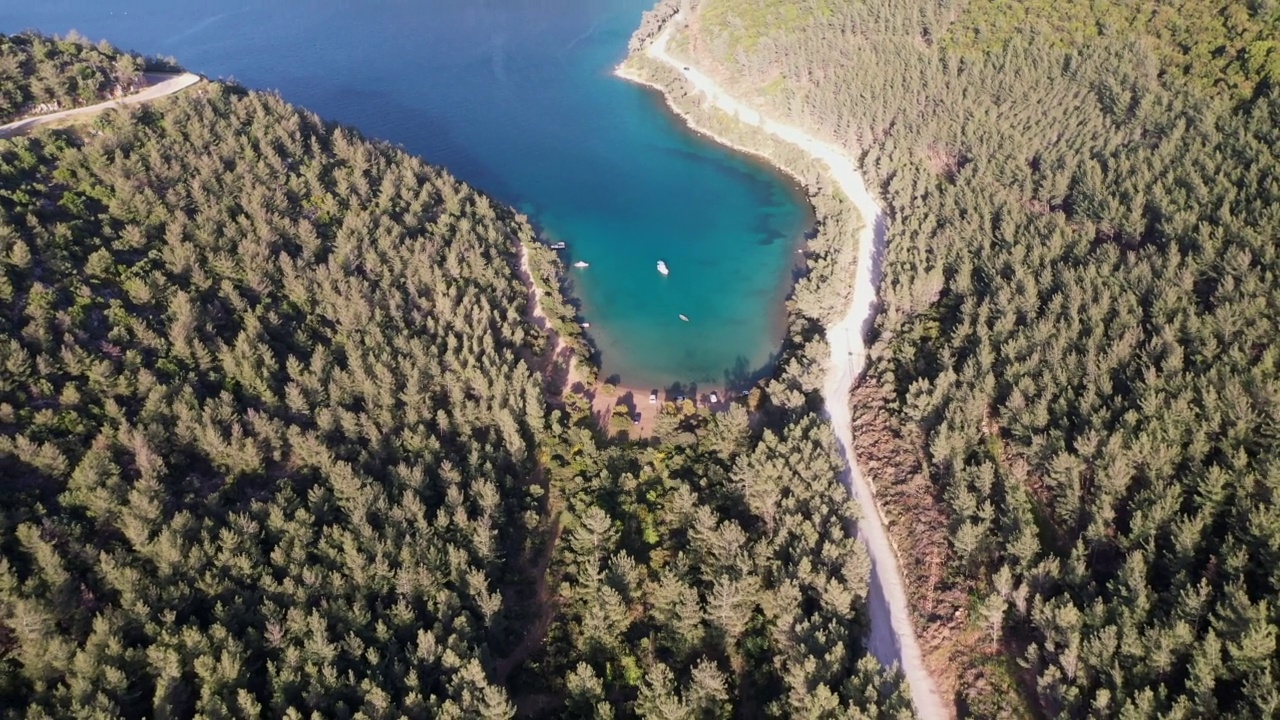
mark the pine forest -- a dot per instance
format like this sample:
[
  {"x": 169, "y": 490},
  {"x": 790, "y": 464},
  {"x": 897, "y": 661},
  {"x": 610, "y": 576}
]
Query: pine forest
[
  {"x": 276, "y": 441},
  {"x": 1073, "y": 405}
]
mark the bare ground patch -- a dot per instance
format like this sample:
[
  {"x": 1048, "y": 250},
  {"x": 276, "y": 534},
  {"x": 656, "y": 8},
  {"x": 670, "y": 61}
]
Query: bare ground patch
[{"x": 971, "y": 673}]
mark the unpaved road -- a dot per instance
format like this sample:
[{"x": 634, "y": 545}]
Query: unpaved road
[
  {"x": 892, "y": 638},
  {"x": 158, "y": 85}
]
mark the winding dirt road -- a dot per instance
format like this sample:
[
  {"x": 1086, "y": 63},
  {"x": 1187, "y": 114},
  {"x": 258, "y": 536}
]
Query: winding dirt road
[
  {"x": 158, "y": 85},
  {"x": 892, "y": 639}
]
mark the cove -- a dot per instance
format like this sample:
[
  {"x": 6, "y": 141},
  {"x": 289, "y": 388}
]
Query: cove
[{"x": 516, "y": 97}]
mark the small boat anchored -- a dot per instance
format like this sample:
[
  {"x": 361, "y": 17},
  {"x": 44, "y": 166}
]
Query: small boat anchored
[
  {"x": 581, "y": 264},
  {"x": 684, "y": 317},
  {"x": 662, "y": 268}
]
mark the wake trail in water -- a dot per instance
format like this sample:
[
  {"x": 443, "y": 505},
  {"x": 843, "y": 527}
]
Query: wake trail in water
[
  {"x": 595, "y": 25},
  {"x": 498, "y": 60},
  {"x": 202, "y": 25}
]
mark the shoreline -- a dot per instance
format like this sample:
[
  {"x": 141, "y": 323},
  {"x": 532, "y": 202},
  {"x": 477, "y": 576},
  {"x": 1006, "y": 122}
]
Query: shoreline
[
  {"x": 559, "y": 348},
  {"x": 602, "y": 402},
  {"x": 626, "y": 73},
  {"x": 535, "y": 308},
  {"x": 892, "y": 638}
]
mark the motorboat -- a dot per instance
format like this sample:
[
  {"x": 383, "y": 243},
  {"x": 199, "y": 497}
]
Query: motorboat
[
  {"x": 684, "y": 317},
  {"x": 662, "y": 268},
  {"x": 581, "y": 264}
]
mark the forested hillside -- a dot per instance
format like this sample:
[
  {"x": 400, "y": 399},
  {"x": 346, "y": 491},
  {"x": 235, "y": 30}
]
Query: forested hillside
[
  {"x": 715, "y": 572},
  {"x": 39, "y": 73},
  {"x": 1079, "y": 327},
  {"x": 271, "y": 444},
  {"x": 264, "y": 432}
]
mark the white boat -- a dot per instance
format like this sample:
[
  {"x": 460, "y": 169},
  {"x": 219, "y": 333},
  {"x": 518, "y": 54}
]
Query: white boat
[
  {"x": 585, "y": 325},
  {"x": 581, "y": 264},
  {"x": 662, "y": 268},
  {"x": 684, "y": 317}
]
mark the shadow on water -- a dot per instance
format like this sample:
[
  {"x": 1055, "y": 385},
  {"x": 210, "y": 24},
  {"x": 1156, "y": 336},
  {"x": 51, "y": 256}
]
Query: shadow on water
[
  {"x": 415, "y": 130},
  {"x": 677, "y": 391},
  {"x": 741, "y": 377},
  {"x": 738, "y": 379}
]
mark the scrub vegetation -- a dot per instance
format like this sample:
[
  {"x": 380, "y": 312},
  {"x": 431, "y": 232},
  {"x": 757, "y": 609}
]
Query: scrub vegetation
[
  {"x": 1076, "y": 357},
  {"x": 40, "y": 74},
  {"x": 271, "y": 444}
]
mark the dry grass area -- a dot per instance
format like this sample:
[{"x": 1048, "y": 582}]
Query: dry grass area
[{"x": 971, "y": 673}]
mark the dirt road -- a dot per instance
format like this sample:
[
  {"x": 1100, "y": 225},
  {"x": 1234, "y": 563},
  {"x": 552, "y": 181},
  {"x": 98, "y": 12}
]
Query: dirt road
[
  {"x": 892, "y": 639},
  {"x": 158, "y": 85}
]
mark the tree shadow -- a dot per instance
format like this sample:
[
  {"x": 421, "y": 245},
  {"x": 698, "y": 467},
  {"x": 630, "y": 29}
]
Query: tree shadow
[
  {"x": 879, "y": 232},
  {"x": 627, "y": 400},
  {"x": 741, "y": 377}
]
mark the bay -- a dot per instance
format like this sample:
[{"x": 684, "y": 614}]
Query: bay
[{"x": 516, "y": 97}]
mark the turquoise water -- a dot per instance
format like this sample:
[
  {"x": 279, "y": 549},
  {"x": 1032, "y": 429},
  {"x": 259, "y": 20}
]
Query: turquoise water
[{"x": 517, "y": 98}]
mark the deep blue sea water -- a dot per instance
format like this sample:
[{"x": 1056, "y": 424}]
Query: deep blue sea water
[{"x": 517, "y": 98}]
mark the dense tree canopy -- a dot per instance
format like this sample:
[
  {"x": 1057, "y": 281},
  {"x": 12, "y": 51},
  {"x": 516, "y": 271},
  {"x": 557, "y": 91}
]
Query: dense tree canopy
[
  {"x": 1223, "y": 44},
  {"x": 38, "y": 72},
  {"x": 715, "y": 569},
  {"x": 1080, "y": 313},
  {"x": 270, "y": 444},
  {"x": 262, "y": 427}
]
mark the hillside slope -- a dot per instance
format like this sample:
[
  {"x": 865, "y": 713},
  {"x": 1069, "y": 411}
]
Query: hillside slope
[
  {"x": 39, "y": 74},
  {"x": 1078, "y": 331},
  {"x": 271, "y": 444}
]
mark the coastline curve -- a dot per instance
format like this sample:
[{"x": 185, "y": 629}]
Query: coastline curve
[{"x": 892, "y": 637}]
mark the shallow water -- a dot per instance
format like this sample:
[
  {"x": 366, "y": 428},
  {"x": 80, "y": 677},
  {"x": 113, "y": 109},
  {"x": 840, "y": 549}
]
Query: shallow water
[{"x": 517, "y": 98}]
